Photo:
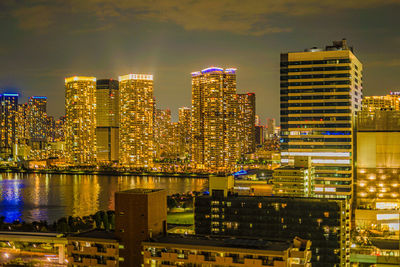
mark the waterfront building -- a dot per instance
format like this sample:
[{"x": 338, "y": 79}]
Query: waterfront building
[
  {"x": 107, "y": 119},
  {"x": 140, "y": 214},
  {"x": 325, "y": 222},
  {"x": 214, "y": 119},
  {"x": 176, "y": 250},
  {"x": 162, "y": 133},
  {"x": 136, "y": 133},
  {"x": 259, "y": 135},
  {"x": 321, "y": 89},
  {"x": 59, "y": 131},
  {"x": 37, "y": 126},
  {"x": 8, "y": 126},
  {"x": 246, "y": 123},
  {"x": 93, "y": 248},
  {"x": 50, "y": 129},
  {"x": 185, "y": 139},
  {"x": 296, "y": 180},
  {"x": 80, "y": 122},
  {"x": 382, "y": 102},
  {"x": 22, "y": 124}
]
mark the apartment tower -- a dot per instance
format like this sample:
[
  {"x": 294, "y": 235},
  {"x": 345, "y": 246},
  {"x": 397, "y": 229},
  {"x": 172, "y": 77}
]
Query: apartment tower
[
  {"x": 136, "y": 120},
  {"x": 214, "y": 123},
  {"x": 246, "y": 117},
  {"x": 80, "y": 124},
  {"x": 107, "y": 119},
  {"x": 321, "y": 89}
]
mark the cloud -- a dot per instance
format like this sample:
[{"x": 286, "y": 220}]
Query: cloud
[{"x": 248, "y": 17}]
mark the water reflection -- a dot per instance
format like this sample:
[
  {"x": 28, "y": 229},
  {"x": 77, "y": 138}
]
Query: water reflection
[{"x": 48, "y": 197}]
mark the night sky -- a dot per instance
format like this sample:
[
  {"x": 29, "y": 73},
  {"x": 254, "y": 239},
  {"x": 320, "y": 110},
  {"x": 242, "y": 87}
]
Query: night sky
[{"x": 43, "y": 41}]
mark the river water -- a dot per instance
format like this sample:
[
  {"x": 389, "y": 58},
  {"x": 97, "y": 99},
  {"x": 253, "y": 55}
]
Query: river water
[{"x": 33, "y": 197}]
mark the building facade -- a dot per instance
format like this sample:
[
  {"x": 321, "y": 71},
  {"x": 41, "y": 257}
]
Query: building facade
[
  {"x": 246, "y": 123},
  {"x": 107, "y": 119},
  {"x": 382, "y": 102},
  {"x": 214, "y": 119},
  {"x": 325, "y": 222},
  {"x": 185, "y": 126},
  {"x": 136, "y": 133},
  {"x": 320, "y": 92},
  {"x": 162, "y": 133},
  {"x": 8, "y": 126},
  {"x": 80, "y": 124}
]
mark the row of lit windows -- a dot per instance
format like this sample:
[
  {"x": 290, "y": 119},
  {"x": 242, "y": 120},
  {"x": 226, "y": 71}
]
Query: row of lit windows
[
  {"x": 316, "y": 76},
  {"x": 286, "y": 84},
  {"x": 334, "y": 68}
]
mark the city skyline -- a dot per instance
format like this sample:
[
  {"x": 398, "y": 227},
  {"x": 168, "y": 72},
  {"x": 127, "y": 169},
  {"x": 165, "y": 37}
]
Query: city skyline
[{"x": 38, "y": 53}]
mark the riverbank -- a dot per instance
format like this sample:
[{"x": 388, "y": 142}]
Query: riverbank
[{"x": 104, "y": 172}]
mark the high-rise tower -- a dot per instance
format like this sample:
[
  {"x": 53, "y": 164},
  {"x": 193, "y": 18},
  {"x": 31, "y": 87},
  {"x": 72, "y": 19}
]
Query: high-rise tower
[
  {"x": 246, "y": 117},
  {"x": 80, "y": 124},
  {"x": 214, "y": 122},
  {"x": 136, "y": 120},
  {"x": 8, "y": 115},
  {"x": 107, "y": 119},
  {"x": 321, "y": 89}
]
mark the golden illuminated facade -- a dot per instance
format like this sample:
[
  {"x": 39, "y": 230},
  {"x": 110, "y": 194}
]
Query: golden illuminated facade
[
  {"x": 80, "y": 124},
  {"x": 37, "y": 127},
  {"x": 321, "y": 89},
  {"x": 8, "y": 119},
  {"x": 136, "y": 120},
  {"x": 107, "y": 119},
  {"x": 185, "y": 137},
  {"x": 214, "y": 122},
  {"x": 378, "y": 159},
  {"x": 246, "y": 118},
  {"x": 162, "y": 133},
  {"x": 387, "y": 102}
]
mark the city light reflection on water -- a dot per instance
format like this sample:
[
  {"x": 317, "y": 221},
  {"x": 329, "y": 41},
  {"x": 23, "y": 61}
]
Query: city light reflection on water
[{"x": 34, "y": 197}]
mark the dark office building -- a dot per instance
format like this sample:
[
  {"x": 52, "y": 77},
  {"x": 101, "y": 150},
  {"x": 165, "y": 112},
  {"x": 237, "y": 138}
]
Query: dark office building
[
  {"x": 259, "y": 135},
  {"x": 323, "y": 221},
  {"x": 8, "y": 114}
]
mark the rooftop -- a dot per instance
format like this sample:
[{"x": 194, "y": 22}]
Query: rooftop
[
  {"x": 140, "y": 191},
  {"x": 197, "y": 240},
  {"x": 97, "y": 234}
]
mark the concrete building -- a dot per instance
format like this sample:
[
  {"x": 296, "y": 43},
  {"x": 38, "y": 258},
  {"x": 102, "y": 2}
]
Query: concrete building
[
  {"x": 162, "y": 133},
  {"x": 294, "y": 180},
  {"x": 185, "y": 126},
  {"x": 80, "y": 121},
  {"x": 93, "y": 248},
  {"x": 246, "y": 123},
  {"x": 175, "y": 250},
  {"x": 321, "y": 89},
  {"x": 107, "y": 120},
  {"x": 271, "y": 125},
  {"x": 382, "y": 102},
  {"x": 136, "y": 133},
  {"x": 214, "y": 119},
  {"x": 259, "y": 135},
  {"x": 140, "y": 214}
]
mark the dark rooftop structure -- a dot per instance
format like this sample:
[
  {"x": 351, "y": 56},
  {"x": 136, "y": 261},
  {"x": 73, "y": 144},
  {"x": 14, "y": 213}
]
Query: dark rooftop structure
[{"x": 95, "y": 234}]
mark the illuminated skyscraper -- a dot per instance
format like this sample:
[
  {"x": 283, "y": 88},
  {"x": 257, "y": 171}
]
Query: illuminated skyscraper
[
  {"x": 185, "y": 137},
  {"x": 162, "y": 133},
  {"x": 214, "y": 122},
  {"x": 136, "y": 120},
  {"x": 107, "y": 119},
  {"x": 80, "y": 124},
  {"x": 22, "y": 126},
  {"x": 8, "y": 115},
  {"x": 270, "y": 128},
  {"x": 246, "y": 122},
  {"x": 320, "y": 92},
  {"x": 37, "y": 121}
]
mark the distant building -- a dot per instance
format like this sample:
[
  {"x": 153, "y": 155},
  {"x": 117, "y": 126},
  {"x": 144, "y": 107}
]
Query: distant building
[
  {"x": 185, "y": 126},
  {"x": 270, "y": 128},
  {"x": 59, "y": 131},
  {"x": 140, "y": 214},
  {"x": 93, "y": 248},
  {"x": 246, "y": 122},
  {"x": 214, "y": 119},
  {"x": 296, "y": 180},
  {"x": 136, "y": 133},
  {"x": 162, "y": 133},
  {"x": 321, "y": 90},
  {"x": 37, "y": 126},
  {"x": 80, "y": 122},
  {"x": 107, "y": 119},
  {"x": 385, "y": 102},
  {"x": 259, "y": 135},
  {"x": 175, "y": 250},
  {"x": 8, "y": 126}
]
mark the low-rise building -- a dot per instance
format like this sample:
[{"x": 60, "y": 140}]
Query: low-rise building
[
  {"x": 93, "y": 248},
  {"x": 175, "y": 250}
]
